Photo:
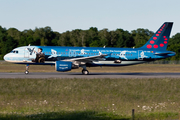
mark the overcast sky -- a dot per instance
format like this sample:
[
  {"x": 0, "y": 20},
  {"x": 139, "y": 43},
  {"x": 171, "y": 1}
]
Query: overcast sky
[{"x": 63, "y": 15}]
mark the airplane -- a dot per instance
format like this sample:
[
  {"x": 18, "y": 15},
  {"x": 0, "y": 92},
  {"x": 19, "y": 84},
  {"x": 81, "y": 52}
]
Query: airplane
[{"x": 68, "y": 58}]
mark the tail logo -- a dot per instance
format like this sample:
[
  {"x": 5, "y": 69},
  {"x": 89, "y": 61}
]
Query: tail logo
[{"x": 152, "y": 42}]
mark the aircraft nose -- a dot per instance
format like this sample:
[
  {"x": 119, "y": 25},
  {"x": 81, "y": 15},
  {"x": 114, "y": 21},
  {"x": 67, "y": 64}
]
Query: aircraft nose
[{"x": 6, "y": 57}]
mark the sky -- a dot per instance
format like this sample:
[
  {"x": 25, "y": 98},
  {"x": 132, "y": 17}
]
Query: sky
[{"x": 67, "y": 15}]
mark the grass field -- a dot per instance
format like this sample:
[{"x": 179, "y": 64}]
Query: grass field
[
  {"x": 89, "y": 99},
  {"x": 8, "y": 67}
]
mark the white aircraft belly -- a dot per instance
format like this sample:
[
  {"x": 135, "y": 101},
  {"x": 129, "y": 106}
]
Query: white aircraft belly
[{"x": 122, "y": 62}]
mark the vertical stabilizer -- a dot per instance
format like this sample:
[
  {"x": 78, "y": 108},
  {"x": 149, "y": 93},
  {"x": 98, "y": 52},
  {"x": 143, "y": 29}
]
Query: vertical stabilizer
[{"x": 159, "y": 40}]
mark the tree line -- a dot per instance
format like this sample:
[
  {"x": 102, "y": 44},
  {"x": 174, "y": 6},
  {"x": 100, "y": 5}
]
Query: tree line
[{"x": 12, "y": 38}]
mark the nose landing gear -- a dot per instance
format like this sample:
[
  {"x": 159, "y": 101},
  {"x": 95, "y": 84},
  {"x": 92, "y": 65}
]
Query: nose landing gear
[{"x": 27, "y": 68}]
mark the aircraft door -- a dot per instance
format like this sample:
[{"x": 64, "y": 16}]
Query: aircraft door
[
  {"x": 26, "y": 53},
  {"x": 140, "y": 54},
  {"x": 74, "y": 53},
  {"x": 70, "y": 53}
]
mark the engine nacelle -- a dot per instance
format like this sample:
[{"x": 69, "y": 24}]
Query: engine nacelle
[{"x": 63, "y": 66}]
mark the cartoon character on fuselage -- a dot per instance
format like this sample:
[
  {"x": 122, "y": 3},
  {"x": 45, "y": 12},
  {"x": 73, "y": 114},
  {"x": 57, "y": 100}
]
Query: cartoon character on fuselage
[
  {"x": 67, "y": 58},
  {"x": 122, "y": 55}
]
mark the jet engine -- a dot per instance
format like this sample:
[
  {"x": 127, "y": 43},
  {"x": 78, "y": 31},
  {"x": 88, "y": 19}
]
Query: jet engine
[{"x": 63, "y": 66}]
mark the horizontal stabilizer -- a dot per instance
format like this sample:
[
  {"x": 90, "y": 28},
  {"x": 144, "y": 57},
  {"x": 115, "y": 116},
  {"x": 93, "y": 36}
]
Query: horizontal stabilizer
[{"x": 164, "y": 53}]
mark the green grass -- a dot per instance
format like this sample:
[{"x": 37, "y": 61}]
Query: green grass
[{"x": 89, "y": 99}]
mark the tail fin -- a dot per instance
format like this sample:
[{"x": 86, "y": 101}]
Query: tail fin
[{"x": 159, "y": 40}]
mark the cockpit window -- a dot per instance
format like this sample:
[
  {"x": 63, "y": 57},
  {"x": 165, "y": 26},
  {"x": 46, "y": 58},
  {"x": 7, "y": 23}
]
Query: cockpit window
[{"x": 14, "y": 51}]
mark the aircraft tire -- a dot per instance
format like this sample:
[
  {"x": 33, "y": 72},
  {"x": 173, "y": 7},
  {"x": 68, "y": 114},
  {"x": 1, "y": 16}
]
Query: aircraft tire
[
  {"x": 41, "y": 60},
  {"x": 26, "y": 72},
  {"x": 85, "y": 72}
]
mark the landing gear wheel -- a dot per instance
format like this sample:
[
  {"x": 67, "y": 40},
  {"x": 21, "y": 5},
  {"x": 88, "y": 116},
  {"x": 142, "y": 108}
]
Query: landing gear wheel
[
  {"x": 27, "y": 68},
  {"x": 85, "y": 72},
  {"x": 26, "y": 72}
]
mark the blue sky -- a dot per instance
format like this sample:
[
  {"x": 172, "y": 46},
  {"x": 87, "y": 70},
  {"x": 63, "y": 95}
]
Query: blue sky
[{"x": 63, "y": 15}]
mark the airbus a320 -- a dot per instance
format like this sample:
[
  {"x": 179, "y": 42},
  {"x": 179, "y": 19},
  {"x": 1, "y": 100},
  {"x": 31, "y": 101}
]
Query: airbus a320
[{"x": 68, "y": 58}]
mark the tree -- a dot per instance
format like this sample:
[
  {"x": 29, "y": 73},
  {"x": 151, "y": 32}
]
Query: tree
[
  {"x": 8, "y": 45},
  {"x": 14, "y": 33},
  {"x": 92, "y": 35},
  {"x": 3, "y": 35},
  {"x": 174, "y": 45},
  {"x": 64, "y": 39},
  {"x": 174, "y": 40},
  {"x": 123, "y": 39},
  {"x": 141, "y": 36},
  {"x": 105, "y": 37}
]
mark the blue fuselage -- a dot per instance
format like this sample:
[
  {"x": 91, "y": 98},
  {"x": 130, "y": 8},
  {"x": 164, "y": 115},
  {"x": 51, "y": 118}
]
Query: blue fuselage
[{"x": 123, "y": 56}]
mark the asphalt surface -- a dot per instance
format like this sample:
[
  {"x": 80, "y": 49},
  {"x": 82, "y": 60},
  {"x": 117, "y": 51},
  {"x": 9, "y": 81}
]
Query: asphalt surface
[{"x": 91, "y": 75}]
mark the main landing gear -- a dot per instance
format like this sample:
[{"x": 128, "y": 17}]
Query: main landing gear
[
  {"x": 27, "y": 68},
  {"x": 85, "y": 71}
]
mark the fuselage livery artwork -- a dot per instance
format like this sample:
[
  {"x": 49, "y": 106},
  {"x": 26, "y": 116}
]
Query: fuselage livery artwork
[{"x": 67, "y": 58}]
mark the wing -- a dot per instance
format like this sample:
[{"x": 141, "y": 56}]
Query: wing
[{"x": 87, "y": 59}]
